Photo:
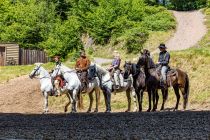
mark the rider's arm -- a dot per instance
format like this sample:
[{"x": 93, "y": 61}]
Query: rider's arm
[{"x": 117, "y": 64}]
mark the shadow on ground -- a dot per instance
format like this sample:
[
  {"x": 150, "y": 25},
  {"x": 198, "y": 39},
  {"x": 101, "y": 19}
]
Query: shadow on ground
[{"x": 157, "y": 125}]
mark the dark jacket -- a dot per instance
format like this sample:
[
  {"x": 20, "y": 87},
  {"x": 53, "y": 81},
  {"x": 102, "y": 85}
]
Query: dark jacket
[{"x": 164, "y": 58}]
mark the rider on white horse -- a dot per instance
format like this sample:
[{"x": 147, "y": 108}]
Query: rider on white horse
[
  {"x": 58, "y": 81},
  {"x": 114, "y": 69}
]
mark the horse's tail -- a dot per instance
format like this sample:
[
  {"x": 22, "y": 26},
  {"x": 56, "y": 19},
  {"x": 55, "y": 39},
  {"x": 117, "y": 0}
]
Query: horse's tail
[
  {"x": 186, "y": 90},
  {"x": 80, "y": 100}
]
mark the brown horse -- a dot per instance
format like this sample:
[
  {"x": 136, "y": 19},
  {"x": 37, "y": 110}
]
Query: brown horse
[{"x": 175, "y": 77}]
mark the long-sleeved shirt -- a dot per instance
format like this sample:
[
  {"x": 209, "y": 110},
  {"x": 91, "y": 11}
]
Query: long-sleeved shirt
[
  {"x": 116, "y": 63},
  {"x": 164, "y": 58},
  {"x": 82, "y": 63}
]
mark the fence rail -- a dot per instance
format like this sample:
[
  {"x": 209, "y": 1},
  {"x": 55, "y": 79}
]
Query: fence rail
[{"x": 27, "y": 56}]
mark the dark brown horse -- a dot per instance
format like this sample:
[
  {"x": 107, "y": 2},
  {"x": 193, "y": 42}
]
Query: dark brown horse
[
  {"x": 175, "y": 77},
  {"x": 139, "y": 78}
]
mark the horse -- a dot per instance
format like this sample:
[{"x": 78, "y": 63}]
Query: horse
[
  {"x": 175, "y": 77},
  {"x": 45, "y": 81},
  {"x": 106, "y": 84},
  {"x": 74, "y": 89},
  {"x": 139, "y": 79},
  {"x": 73, "y": 85}
]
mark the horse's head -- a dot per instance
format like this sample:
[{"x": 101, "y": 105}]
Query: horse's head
[
  {"x": 91, "y": 71},
  {"x": 56, "y": 71},
  {"x": 128, "y": 69},
  {"x": 145, "y": 60},
  {"x": 36, "y": 71}
]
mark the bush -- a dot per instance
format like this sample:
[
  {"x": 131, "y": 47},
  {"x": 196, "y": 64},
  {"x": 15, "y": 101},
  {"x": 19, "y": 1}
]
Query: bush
[{"x": 186, "y": 5}]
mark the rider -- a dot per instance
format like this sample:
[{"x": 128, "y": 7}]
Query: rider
[
  {"x": 115, "y": 69},
  {"x": 81, "y": 67},
  {"x": 58, "y": 78},
  {"x": 163, "y": 61}
]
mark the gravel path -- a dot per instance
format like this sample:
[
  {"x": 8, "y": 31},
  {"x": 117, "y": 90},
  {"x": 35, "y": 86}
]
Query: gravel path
[
  {"x": 159, "y": 125},
  {"x": 190, "y": 30}
]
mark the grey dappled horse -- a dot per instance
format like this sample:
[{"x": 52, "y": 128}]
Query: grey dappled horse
[
  {"x": 45, "y": 81},
  {"x": 73, "y": 87},
  {"x": 73, "y": 84},
  {"x": 107, "y": 85}
]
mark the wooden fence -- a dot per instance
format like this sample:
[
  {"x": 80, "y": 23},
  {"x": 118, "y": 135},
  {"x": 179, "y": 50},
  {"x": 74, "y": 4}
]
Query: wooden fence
[{"x": 27, "y": 56}]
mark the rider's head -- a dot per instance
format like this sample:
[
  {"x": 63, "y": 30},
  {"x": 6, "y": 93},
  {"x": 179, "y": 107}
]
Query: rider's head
[
  {"x": 116, "y": 54},
  {"x": 57, "y": 58},
  {"x": 162, "y": 47},
  {"x": 82, "y": 53}
]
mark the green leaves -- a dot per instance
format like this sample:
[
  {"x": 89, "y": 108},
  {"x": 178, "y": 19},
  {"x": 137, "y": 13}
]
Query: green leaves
[{"x": 57, "y": 25}]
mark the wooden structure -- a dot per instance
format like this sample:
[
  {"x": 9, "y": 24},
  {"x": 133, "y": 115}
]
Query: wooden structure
[{"x": 11, "y": 54}]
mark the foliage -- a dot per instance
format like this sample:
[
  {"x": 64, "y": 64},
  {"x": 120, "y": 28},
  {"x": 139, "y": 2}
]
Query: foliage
[
  {"x": 186, "y": 5},
  {"x": 57, "y": 25}
]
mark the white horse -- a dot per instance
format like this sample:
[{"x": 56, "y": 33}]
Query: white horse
[
  {"x": 107, "y": 86},
  {"x": 73, "y": 84},
  {"x": 45, "y": 81},
  {"x": 74, "y": 87}
]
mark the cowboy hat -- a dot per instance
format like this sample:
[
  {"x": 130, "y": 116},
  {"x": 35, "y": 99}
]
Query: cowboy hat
[{"x": 162, "y": 46}]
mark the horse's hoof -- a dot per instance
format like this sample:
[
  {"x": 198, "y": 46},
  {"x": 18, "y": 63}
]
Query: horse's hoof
[
  {"x": 108, "y": 111},
  {"x": 148, "y": 110},
  {"x": 135, "y": 110},
  {"x": 127, "y": 110},
  {"x": 88, "y": 111},
  {"x": 154, "y": 110},
  {"x": 96, "y": 110}
]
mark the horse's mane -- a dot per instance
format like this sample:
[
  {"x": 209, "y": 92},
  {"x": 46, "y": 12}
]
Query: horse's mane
[{"x": 102, "y": 70}]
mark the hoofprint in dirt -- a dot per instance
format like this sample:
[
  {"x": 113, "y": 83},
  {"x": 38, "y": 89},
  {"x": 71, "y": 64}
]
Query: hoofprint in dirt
[
  {"x": 21, "y": 95},
  {"x": 161, "y": 125}
]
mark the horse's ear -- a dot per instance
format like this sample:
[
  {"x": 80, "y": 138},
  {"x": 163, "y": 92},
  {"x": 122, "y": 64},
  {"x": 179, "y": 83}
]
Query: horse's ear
[
  {"x": 38, "y": 64},
  {"x": 141, "y": 52}
]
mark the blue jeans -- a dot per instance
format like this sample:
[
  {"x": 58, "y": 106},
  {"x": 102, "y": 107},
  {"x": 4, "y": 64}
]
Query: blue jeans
[{"x": 163, "y": 72}]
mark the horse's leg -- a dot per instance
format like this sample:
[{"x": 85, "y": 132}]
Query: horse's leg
[
  {"x": 108, "y": 100},
  {"x": 135, "y": 100},
  {"x": 45, "y": 102},
  {"x": 154, "y": 99},
  {"x": 164, "y": 94},
  {"x": 105, "y": 97},
  {"x": 185, "y": 97},
  {"x": 140, "y": 98},
  {"x": 176, "y": 90},
  {"x": 91, "y": 101},
  {"x": 149, "y": 95},
  {"x": 67, "y": 104},
  {"x": 157, "y": 98},
  {"x": 128, "y": 99},
  {"x": 74, "y": 105},
  {"x": 97, "y": 93}
]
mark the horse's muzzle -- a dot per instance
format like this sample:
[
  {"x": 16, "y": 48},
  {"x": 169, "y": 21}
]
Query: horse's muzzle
[{"x": 30, "y": 76}]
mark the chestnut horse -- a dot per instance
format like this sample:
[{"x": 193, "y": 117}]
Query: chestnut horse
[{"x": 175, "y": 77}]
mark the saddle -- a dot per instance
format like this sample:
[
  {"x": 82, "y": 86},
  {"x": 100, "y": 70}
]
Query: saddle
[{"x": 171, "y": 75}]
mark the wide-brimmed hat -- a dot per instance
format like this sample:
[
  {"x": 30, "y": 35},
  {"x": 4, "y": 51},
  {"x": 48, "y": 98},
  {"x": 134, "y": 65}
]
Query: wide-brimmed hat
[{"x": 162, "y": 46}]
